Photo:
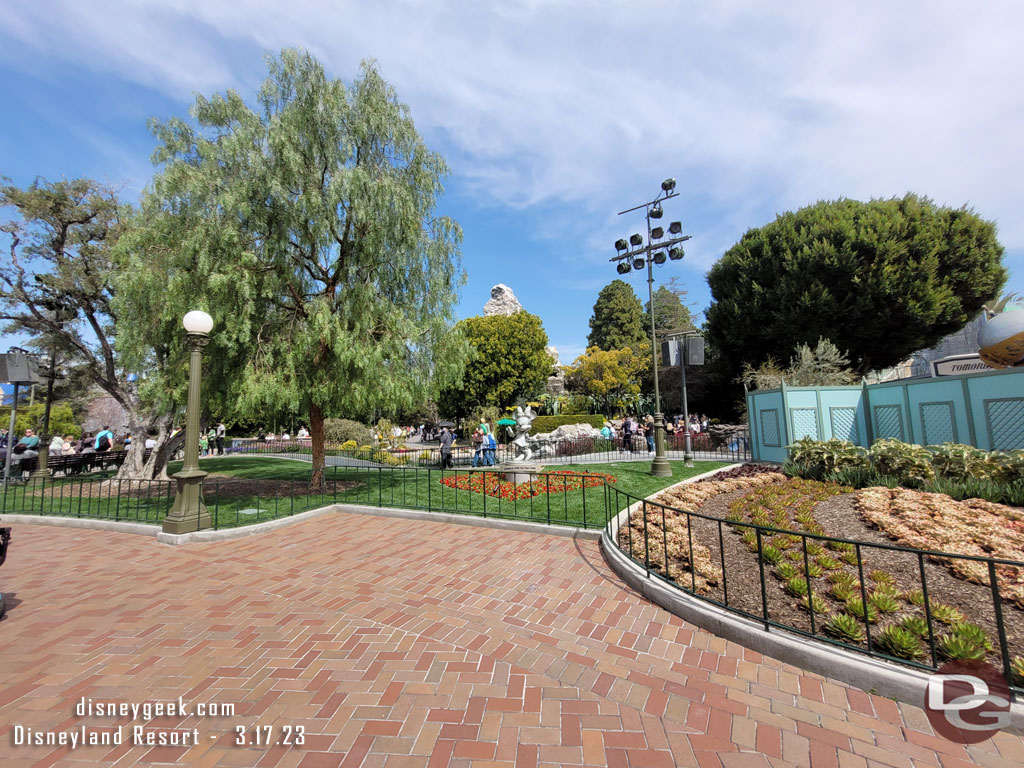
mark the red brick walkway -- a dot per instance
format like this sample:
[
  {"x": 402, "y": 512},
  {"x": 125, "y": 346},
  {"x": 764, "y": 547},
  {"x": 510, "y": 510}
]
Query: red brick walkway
[{"x": 401, "y": 643}]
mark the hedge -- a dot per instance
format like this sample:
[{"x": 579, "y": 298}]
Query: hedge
[{"x": 544, "y": 424}]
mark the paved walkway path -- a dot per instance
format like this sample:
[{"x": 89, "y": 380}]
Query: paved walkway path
[{"x": 408, "y": 643}]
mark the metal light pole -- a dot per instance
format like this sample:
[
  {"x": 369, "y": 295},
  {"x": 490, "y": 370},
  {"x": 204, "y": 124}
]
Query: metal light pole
[
  {"x": 189, "y": 513},
  {"x": 636, "y": 255},
  {"x": 683, "y": 340}
]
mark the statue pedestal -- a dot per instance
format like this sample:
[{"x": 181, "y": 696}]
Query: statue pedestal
[{"x": 519, "y": 472}]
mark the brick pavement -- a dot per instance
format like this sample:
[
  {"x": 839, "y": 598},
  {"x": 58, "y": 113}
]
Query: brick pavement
[{"x": 409, "y": 643}]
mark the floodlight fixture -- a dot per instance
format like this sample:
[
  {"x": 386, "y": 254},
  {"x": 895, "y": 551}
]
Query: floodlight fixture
[
  {"x": 675, "y": 227},
  {"x": 656, "y": 211},
  {"x": 659, "y": 257},
  {"x": 621, "y": 244},
  {"x": 635, "y": 240},
  {"x": 623, "y": 267},
  {"x": 638, "y": 263},
  {"x": 668, "y": 185},
  {"x": 657, "y": 233},
  {"x": 675, "y": 253}
]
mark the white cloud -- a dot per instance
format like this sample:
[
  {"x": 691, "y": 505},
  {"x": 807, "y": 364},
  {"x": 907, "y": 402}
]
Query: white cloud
[{"x": 755, "y": 108}]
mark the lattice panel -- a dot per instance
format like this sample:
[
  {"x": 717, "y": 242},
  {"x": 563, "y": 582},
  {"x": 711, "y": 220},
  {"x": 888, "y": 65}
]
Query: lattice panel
[
  {"x": 805, "y": 423},
  {"x": 937, "y": 423},
  {"x": 844, "y": 424},
  {"x": 888, "y": 422},
  {"x": 770, "y": 427},
  {"x": 1006, "y": 423}
]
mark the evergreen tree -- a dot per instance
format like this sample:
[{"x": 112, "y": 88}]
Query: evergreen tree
[
  {"x": 880, "y": 280},
  {"x": 670, "y": 314},
  {"x": 618, "y": 319}
]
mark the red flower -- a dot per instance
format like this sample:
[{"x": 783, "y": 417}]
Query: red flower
[{"x": 493, "y": 484}]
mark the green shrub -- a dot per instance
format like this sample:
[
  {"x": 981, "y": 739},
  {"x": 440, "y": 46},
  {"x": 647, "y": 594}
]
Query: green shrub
[
  {"x": 786, "y": 571},
  {"x": 946, "y": 614},
  {"x": 1007, "y": 467},
  {"x": 543, "y": 424},
  {"x": 955, "y": 461},
  {"x": 885, "y": 602},
  {"x": 771, "y": 554},
  {"x": 900, "y": 643},
  {"x": 844, "y": 627},
  {"x": 910, "y": 464},
  {"x": 344, "y": 430},
  {"x": 842, "y": 591},
  {"x": 972, "y": 633},
  {"x": 816, "y": 601},
  {"x": 827, "y": 562},
  {"x": 855, "y": 607},
  {"x": 826, "y": 455},
  {"x": 796, "y": 586},
  {"x": 349, "y": 445}
]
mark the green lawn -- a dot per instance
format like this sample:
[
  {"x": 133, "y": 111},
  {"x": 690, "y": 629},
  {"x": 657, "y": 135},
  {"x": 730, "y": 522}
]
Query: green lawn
[{"x": 267, "y": 488}]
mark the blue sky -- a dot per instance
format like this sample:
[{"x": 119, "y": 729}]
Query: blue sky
[{"x": 555, "y": 115}]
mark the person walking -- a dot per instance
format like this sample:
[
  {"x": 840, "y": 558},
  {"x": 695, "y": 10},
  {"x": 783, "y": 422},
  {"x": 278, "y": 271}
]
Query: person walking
[
  {"x": 478, "y": 447},
  {"x": 104, "y": 440},
  {"x": 446, "y": 448}
]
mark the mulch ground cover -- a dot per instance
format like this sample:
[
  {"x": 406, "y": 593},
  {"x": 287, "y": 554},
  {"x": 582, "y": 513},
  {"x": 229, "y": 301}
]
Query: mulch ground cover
[{"x": 836, "y": 514}]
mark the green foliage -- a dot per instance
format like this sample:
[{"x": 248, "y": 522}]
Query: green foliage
[
  {"x": 946, "y": 614},
  {"x": 815, "y": 601},
  {"x": 886, "y": 602},
  {"x": 959, "y": 462},
  {"x": 306, "y": 226},
  {"x": 1007, "y": 467},
  {"x": 914, "y": 597},
  {"x": 618, "y": 319},
  {"x": 1017, "y": 669},
  {"x": 855, "y": 607},
  {"x": 613, "y": 378},
  {"x": 62, "y": 420},
  {"x": 842, "y": 591},
  {"x": 786, "y": 571},
  {"x": 823, "y": 366},
  {"x": 955, "y": 647},
  {"x": 844, "y": 627},
  {"x": 770, "y": 554},
  {"x": 796, "y": 586},
  {"x": 670, "y": 314},
  {"x": 826, "y": 455},
  {"x": 910, "y": 464},
  {"x": 899, "y": 642},
  {"x": 346, "y": 430},
  {"x": 915, "y": 625},
  {"x": 880, "y": 279},
  {"x": 508, "y": 363},
  {"x": 973, "y": 634},
  {"x": 544, "y": 424}
]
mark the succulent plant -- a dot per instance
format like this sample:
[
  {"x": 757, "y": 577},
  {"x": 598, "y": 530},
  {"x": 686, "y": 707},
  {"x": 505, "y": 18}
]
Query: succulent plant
[
  {"x": 958, "y": 648},
  {"x": 796, "y": 586},
  {"x": 827, "y": 562},
  {"x": 841, "y": 546},
  {"x": 786, "y": 571},
  {"x": 844, "y": 627},
  {"x": 973, "y": 633},
  {"x": 842, "y": 591},
  {"x": 914, "y": 597},
  {"x": 750, "y": 539},
  {"x": 794, "y": 555},
  {"x": 915, "y": 624},
  {"x": 780, "y": 542},
  {"x": 946, "y": 614},
  {"x": 1017, "y": 669},
  {"x": 817, "y": 602},
  {"x": 814, "y": 570},
  {"x": 850, "y": 557},
  {"x": 899, "y": 642},
  {"x": 884, "y": 601},
  {"x": 855, "y": 606},
  {"x": 814, "y": 548},
  {"x": 882, "y": 577}
]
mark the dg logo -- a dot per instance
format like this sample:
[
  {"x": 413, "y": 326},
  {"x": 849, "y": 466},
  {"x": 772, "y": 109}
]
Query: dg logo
[{"x": 967, "y": 703}]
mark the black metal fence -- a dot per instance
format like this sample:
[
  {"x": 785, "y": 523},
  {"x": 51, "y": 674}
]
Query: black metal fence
[
  {"x": 90, "y": 496},
  {"x": 692, "y": 552}
]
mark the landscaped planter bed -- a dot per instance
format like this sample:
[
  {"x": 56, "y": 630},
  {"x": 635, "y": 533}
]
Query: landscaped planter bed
[{"x": 832, "y": 510}]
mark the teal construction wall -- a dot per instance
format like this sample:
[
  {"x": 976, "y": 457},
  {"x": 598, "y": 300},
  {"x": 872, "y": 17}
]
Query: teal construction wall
[{"x": 985, "y": 410}]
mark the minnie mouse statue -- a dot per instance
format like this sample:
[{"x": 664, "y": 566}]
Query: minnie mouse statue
[{"x": 524, "y": 420}]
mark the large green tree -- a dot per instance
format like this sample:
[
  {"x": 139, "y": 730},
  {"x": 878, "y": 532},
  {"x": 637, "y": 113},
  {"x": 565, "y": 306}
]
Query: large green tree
[
  {"x": 670, "y": 314},
  {"x": 59, "y": 286},
  {"x": 314, "y": 210},
  {"x": 508, "y": 363},
  {"x": 880, "y": 280},
  {"x": 618, "y": 319},
  {"x": 612, "y": 377}
]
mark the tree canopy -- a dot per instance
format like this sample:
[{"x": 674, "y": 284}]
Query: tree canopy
[
  {"x": 306, "y": 226},
  {"x": 508, "y": 363},
  {"x": 618, "y": 318},
  {"x": 612, "y": 377},
  {"x": 880, "y": 280},
  {"x": 670, "y": 314}
]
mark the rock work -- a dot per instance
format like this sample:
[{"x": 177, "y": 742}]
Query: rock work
[
  {"x": 502, "y": 302},
  {"x": 556, "y": 381},
  {"x": 544, "y": 445}
]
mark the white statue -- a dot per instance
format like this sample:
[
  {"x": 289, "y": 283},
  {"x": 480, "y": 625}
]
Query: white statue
[{"x": 524, "y": 420}]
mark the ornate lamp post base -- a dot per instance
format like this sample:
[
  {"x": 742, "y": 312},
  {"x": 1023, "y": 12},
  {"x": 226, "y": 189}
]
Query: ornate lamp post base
[
  {"x": 188, "y": 513},
  {"x": 660, "y": 466}
]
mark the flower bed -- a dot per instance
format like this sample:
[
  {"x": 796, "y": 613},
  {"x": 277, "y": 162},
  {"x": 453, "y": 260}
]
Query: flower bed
[{"x": 494, "y": 483}]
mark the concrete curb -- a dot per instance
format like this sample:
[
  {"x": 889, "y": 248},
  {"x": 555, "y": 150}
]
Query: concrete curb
[
  {"x": 143, "y": 529},
  {"x": 864, "y": 672},
  {"x": 242, "y": 531}
]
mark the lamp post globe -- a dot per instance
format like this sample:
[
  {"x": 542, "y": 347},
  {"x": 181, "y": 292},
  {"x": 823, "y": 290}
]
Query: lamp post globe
[{"x": 197, "y": 322}]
